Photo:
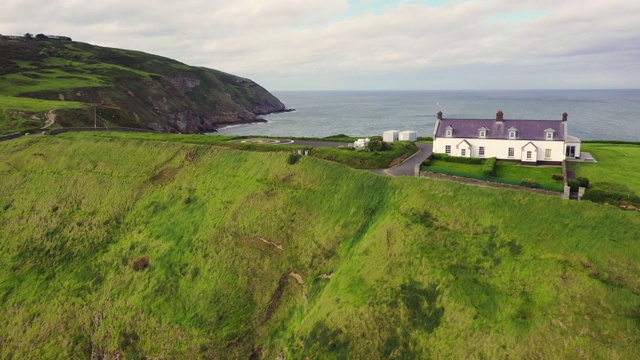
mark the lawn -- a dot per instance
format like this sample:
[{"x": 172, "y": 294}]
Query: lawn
[
  {"x": 617, "y": 164},
  {"x": 506, "y": 172}
]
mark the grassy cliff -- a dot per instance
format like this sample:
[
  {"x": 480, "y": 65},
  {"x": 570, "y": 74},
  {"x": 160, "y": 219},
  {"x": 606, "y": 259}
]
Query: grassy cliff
[
  {"x": 250, "y": 256},
  {"x": 44, "y": 80}
]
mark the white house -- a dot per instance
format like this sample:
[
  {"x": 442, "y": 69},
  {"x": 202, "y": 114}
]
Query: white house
[{"x": 526, "y": 141}]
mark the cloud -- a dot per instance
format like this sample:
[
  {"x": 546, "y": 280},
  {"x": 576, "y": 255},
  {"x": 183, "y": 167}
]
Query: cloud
[{"x": 317, "y": 44}]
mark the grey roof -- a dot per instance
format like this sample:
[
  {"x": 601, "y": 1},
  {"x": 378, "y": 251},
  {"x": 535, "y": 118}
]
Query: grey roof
[{"x": 527, "y": 129}]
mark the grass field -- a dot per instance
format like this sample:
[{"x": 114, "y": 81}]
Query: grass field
[
  {"x": 16, "y": 112},
  {"x": 617, "y": 164},
  {"x": 249, "y": 255}
]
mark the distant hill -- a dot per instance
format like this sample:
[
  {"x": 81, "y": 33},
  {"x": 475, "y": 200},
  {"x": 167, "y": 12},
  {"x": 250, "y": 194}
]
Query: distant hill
[{"x": 129, "y": 88}]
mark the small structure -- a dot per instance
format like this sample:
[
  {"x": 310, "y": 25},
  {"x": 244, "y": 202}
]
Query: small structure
[
  {"x": 408, "y": 135},
  {"x": 390, "y": 136},
  {"x": 361, "y": 143}
]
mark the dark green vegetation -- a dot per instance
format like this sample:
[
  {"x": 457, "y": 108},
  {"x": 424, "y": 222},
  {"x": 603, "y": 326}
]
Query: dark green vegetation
[
  {"x": 129, "y": 88},
  {"x": 137, "y": 248},
  {"x": 544, "y": 177}
]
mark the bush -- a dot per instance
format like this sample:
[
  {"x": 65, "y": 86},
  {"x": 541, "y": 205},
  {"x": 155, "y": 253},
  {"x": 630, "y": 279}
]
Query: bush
[
  {"x": 457, "y": 159},
  {"x": 557, "y": 177},
  {"x": 574, "y": 184},
  {"x": 293, "y": 158},
  {"x": 584, "y": 182},
  {"x": 375, "y": 145},
  {"x": 529, "y": 183},
  {"x": 141, "y": 263},
  {"x": 426, "y": 162},
  {"x": 615, "y": 198},
  {"x": 489, "y": 167}
]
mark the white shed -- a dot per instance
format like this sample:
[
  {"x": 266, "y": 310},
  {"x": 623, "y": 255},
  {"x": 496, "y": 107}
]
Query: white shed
[
  {"x": 390, "y": 136},
  {"x": 408, "y": 135},
  {"x": 361, "y": 143}
]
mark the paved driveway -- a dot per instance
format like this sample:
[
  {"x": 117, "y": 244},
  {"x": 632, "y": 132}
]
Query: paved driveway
[{"x": 407, "y": 167}]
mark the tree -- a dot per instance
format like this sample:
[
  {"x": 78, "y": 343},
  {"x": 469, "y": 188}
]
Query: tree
[{"x": 28, "y": 36}]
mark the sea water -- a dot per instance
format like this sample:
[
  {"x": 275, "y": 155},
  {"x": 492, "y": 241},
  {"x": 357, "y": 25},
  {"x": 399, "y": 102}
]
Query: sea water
[{"x": 593, "y": 114}]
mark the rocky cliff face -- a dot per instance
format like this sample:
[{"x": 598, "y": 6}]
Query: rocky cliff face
[{"x": 135, "y": 89}]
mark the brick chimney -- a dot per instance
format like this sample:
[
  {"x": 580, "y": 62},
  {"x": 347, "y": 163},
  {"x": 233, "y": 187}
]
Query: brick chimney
[
  {"x": 564, "y": 117},
  {"x": 499, "y": 116},
  {"x": 439, "y": 115}
]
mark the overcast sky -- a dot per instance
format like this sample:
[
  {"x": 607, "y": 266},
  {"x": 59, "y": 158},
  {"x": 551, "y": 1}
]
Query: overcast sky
[{"x": 365, "y": 44}]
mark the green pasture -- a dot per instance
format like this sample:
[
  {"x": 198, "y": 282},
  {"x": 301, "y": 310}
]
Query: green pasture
[
  {"x": 616, "y": 164},
  {"x": 46, "y": 80},
  {"x": 248, "y": 254}
]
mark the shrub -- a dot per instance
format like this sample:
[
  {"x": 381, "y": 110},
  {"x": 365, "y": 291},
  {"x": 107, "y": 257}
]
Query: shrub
[
  {"x": 574, "y": 184},
  {"x": 140, "y": 263},
  {"x": 293, "y": 158},
  {"x": 379, "y": 145},
  {"x": 489, "y": 167},
  {"x": 457, "y": 159},
  {"x": 557, "y": 177},
  {"x": 426, "y": 162},
  {"x": 529, "y": 183},
  {"x": 584, "y": 182},
  {"x": 605, "y": 196}
]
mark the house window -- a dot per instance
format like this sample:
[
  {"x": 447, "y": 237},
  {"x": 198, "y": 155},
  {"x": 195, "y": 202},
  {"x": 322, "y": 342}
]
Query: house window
[
  {"x": 447, "y": 149},
  {"x": 481, "y": 151},
  {"x": 512, "y": 134},
  {"x": 511, "y": 152},
  {"x": 549, "y": 136},
  {"x": 528, "y": 155},
  {"x": 449, "y": 132},
  {"x": 547, "y": 153},
  {"x": 463, "y": 152},
  {"x": 483, "y": 133}
]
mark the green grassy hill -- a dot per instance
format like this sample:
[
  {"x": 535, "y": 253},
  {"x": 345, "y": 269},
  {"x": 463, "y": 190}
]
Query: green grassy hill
[
  {"x": 129, "y": 88},
  {"x": 250, "y": 256}
]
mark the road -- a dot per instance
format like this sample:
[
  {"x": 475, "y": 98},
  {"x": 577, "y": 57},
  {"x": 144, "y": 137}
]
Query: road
[{"x": 407, "y": 167}]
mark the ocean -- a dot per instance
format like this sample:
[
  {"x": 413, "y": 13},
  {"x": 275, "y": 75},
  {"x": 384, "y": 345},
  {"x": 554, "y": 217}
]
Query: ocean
[{"x": 593, "y": 114}]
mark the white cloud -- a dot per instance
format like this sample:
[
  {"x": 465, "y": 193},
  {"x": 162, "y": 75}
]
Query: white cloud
[{"x": 316, "y": 44}]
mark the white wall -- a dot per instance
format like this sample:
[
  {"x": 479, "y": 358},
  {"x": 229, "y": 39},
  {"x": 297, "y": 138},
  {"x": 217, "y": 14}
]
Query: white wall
[{"x": 499, "y": 148}]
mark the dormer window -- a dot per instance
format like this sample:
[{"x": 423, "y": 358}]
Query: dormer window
[
  {"x": 513, "y": 133},
  {"x": 548, "y": 134},
  {"x": 482, "y": 132},
  {"x": 449, "y": 131}
]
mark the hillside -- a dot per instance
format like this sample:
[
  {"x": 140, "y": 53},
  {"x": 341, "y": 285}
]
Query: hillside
[
  {"x": 249, "y": 256},
  {"x": 128, "y": 88}
]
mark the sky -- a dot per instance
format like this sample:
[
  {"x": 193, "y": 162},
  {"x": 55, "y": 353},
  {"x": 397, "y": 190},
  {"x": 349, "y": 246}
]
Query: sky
[{"x": 365, "y": 44}]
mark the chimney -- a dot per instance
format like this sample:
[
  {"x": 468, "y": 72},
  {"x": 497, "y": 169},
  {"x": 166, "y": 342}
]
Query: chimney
[
  {"x": 439, "y": 115},
  {"x": 499, "y": 116},
  {"x": 564, "y": 117}
]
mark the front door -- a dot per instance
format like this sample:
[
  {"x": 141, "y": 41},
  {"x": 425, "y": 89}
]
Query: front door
[{"x": 571, "y": 151}]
